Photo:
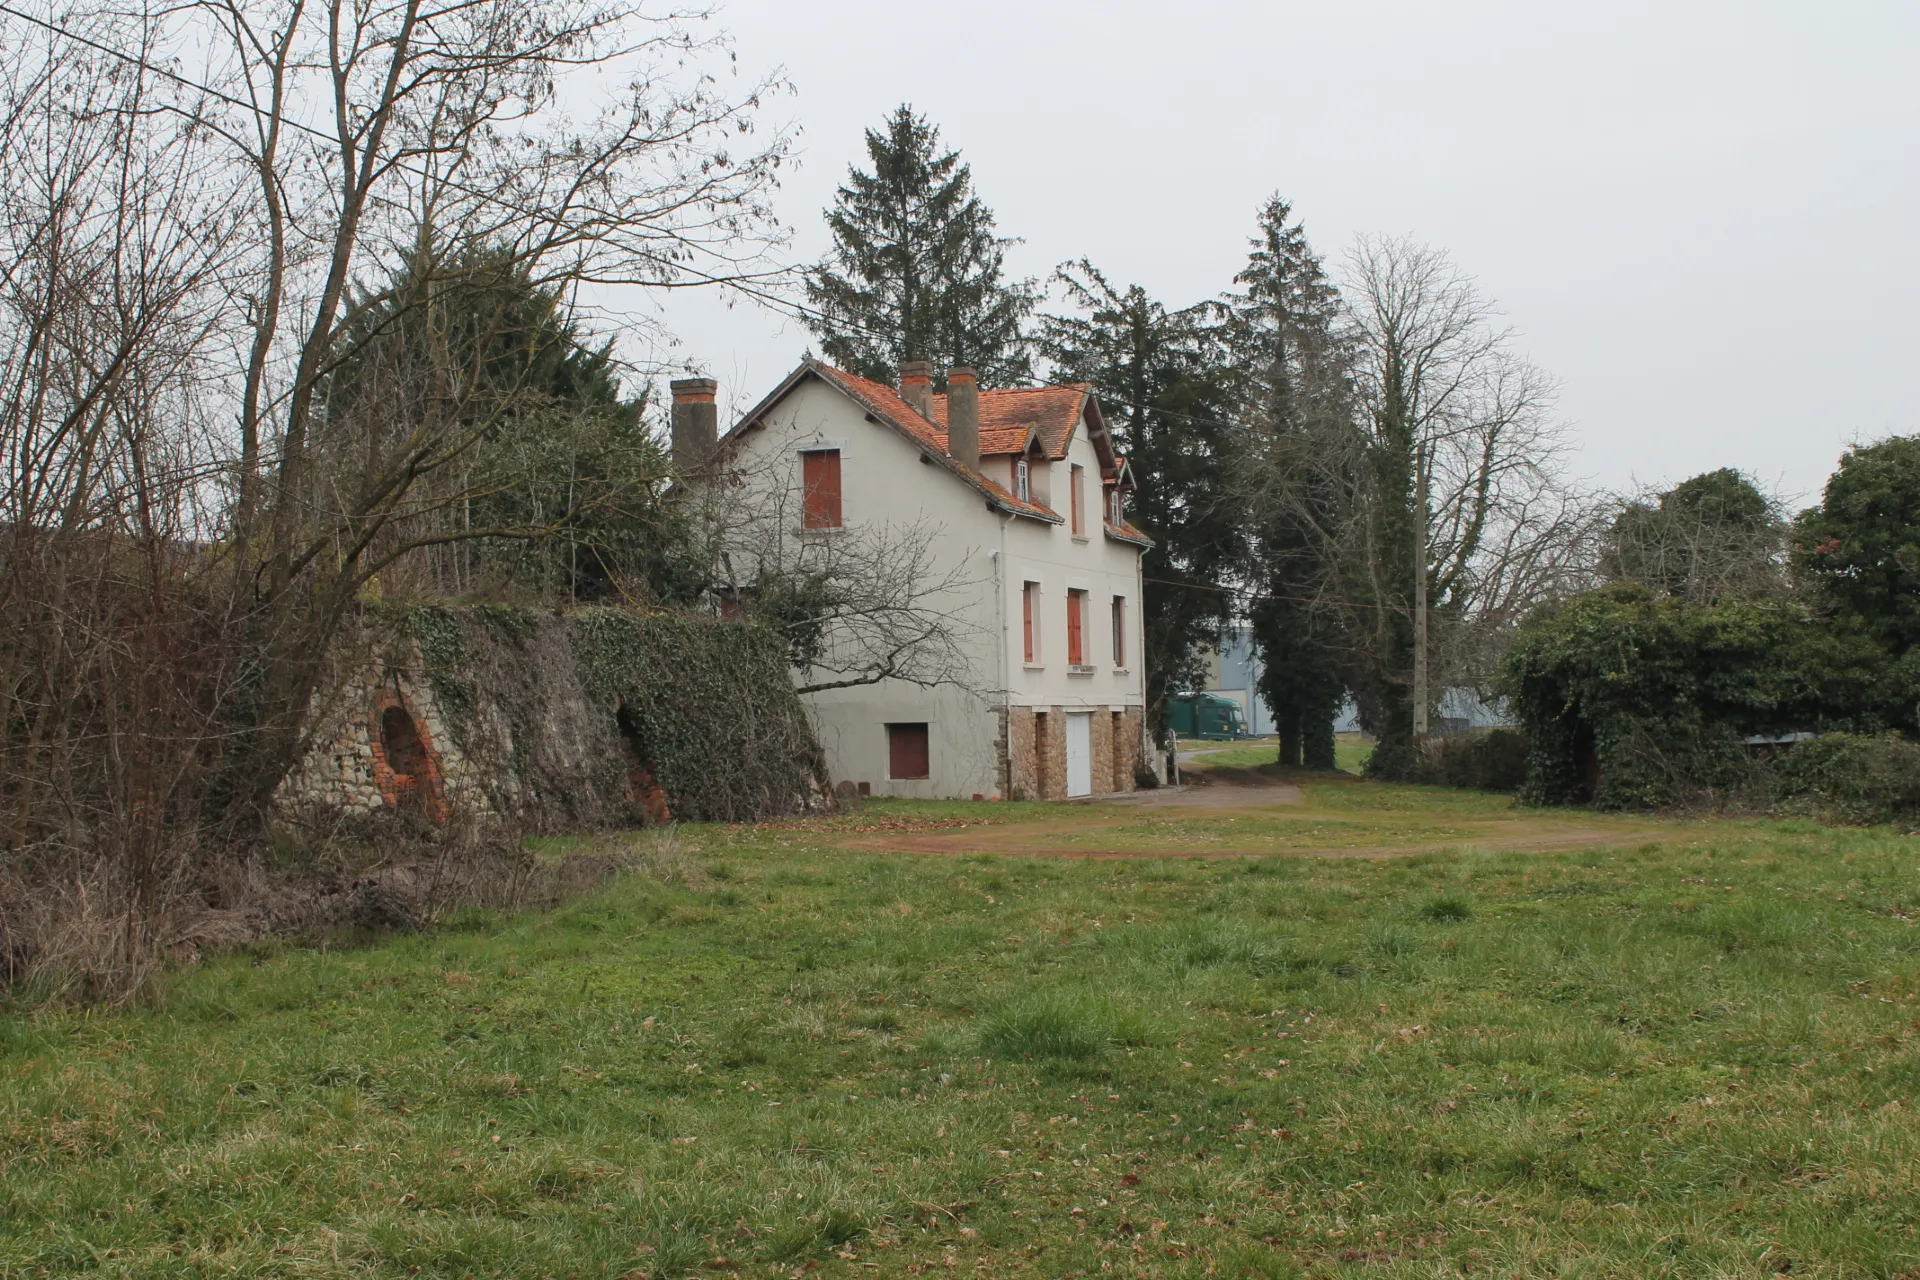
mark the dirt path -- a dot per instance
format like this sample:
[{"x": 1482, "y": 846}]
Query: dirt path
[
  {"x": 1227, "y": 794},
  {"x": 1214, "y": 789}
]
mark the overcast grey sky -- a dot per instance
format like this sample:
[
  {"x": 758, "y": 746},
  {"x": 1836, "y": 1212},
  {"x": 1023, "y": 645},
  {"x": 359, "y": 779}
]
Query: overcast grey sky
[{"x": 1700, "y": 216}]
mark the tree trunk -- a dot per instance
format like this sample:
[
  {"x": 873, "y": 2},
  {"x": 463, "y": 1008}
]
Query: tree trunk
[
  {"x": 1316, "y": 741},
  {"x": 1289, "y": 722}
]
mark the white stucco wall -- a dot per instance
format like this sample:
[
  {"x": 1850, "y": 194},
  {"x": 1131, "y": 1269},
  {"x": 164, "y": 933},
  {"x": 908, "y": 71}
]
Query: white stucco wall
[{"x": 884, "y": 481}]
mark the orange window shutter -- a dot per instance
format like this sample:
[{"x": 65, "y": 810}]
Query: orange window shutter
[
  {"x": 820, "y": 472},
  {"x": 1026, "y": 620},
  {"x": 1076, "y": 655},
  {"x": 1079, "y": 522},
  {"x": 1119, "y": 631}
]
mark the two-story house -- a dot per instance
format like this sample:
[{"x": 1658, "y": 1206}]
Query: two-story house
[{"x": 1019, "y": 503}]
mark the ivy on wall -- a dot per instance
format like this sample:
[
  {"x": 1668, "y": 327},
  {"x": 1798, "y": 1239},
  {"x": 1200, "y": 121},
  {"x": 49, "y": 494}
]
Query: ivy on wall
[
  {"x": 713, "y": 706},
  {"x": 554, "y": 710}
]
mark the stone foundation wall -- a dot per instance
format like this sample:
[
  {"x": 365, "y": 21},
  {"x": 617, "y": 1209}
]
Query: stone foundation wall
[
  {"x": 1129, "y": 747},
  {"x": 1036, "y": 751},
  {"x": 1100, "y": 767}
]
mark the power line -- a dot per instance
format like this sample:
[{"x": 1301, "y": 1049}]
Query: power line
[
  {"x": 701, "y": 279},
  {"x": 1255, "y": 596}
]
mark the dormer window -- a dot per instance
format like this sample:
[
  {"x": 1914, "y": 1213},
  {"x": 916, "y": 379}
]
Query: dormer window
[
  {"x": 1116, "y": 508},
  {"x": 1022, "y": 481}
]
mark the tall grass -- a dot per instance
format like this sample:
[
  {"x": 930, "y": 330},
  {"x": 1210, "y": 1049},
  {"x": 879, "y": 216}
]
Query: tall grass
[{"x": 757, "y": 1054}]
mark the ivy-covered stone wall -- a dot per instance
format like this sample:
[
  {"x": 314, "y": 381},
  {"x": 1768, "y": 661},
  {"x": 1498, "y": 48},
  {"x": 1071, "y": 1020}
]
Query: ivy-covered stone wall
[{"x": 556, "y": 721}]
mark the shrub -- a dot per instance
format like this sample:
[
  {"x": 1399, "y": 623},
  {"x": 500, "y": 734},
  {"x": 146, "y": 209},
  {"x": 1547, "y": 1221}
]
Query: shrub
[
  {"x": 1495, "y": 760},
  {"x": 1849, "y": 778}
]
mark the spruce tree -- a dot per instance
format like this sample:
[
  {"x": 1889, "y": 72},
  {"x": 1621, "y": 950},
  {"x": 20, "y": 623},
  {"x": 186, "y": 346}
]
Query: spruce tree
[
  {"x": 916, "y": 271},
  {"x": 1291, "y": 387},
  {"x": 1162, "y": 381}
]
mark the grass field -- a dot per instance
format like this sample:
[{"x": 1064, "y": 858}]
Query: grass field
[
  {"x": 1687, "y": 1053},
  {"x": 1350, "y": 752}
]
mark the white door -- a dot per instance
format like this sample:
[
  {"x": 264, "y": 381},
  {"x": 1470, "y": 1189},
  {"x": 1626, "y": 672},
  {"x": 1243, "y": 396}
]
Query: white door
[{"x": 1079, "y": 753}]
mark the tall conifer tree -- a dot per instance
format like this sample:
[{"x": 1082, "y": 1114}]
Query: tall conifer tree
[
  {"x": 1292, "y": 391},
  {"x": 916, "y": 271},
  {"x": 1162, "y": 380}
]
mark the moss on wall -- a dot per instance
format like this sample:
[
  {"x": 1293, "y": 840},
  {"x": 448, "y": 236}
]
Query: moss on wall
[{"x": 564, "y": 720}]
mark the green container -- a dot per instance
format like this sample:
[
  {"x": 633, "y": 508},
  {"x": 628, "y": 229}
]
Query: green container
[{"x": 1205, "y": 715}]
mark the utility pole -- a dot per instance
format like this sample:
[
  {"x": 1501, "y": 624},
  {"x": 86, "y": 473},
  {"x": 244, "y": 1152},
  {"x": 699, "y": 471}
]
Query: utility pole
[{"x": 1420, "y": 595}]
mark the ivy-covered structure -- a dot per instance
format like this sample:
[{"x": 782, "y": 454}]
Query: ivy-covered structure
[
  {"x": 556, "y": 721},
  {"x": 1635, "y": 700}
]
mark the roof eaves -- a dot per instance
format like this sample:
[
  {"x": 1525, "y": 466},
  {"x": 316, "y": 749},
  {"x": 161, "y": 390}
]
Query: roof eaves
[
  {"x": 1084, "y": 391},
  {"x": 992, "y": 492},
  {"x": 1126, "y": 533},
  {"x": 752, "y": 417}
]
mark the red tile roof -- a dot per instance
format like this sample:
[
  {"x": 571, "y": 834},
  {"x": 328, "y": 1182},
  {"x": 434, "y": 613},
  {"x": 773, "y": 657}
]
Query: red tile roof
[
  {"x": 1006, "y": 416},
  {"x": 1008, "y": 420},
  {"x": 887, "y": 403}
]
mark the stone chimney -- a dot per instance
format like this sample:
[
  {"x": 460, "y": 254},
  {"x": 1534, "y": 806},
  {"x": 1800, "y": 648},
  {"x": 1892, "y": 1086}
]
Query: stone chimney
[
  {"x": 963, "y": 418},
  {"x": 696, "y": 423},
  {"x": 916, "y": 385}
]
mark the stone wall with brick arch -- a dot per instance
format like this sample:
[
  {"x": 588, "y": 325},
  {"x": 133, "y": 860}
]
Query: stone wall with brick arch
[
  {"x": 553, "y": 722},
  {"x": 345, "y": 772}
]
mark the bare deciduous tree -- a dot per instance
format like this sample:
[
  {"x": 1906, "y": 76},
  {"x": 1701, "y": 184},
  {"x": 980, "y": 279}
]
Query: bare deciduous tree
[
  {"x": 1711, "y": 538},
  {"x": 858, "y": 605},
  {"x": 1467, "y": 521},
  {"x": 198, "y": 198}
]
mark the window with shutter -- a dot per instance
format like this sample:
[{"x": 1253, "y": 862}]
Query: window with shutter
[
  {"x": 907, "y": 757},
  {"x": 1029, "y": 600},
  {"x": 820, "y": 474},
  {"x": 1078, "y": 484},
  {"x": 1076, "y": 647},
  {"x": 1119, "y": 631}
]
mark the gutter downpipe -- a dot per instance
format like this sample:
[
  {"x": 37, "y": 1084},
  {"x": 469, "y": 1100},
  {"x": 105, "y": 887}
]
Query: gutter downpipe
[
  {"x": 1140, "y": 612},
  {"x": 999, "y": 559}
]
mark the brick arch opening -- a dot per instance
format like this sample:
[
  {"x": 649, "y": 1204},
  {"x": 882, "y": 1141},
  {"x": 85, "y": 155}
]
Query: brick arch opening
[
  {"x": 405, "y": 766},
  {"x": 644, "y": 793}
]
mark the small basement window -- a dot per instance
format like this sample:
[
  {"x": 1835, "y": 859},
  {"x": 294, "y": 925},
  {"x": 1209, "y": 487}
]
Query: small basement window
[{"x": 907, "y": 757}]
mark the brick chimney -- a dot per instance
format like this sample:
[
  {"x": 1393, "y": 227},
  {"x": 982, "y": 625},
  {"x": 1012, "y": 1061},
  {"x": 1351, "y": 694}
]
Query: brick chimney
[
  {"x": 916, "y": 385},
  {"x": 963, "y": 418},
  {"x": 696, "y": 423}
]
